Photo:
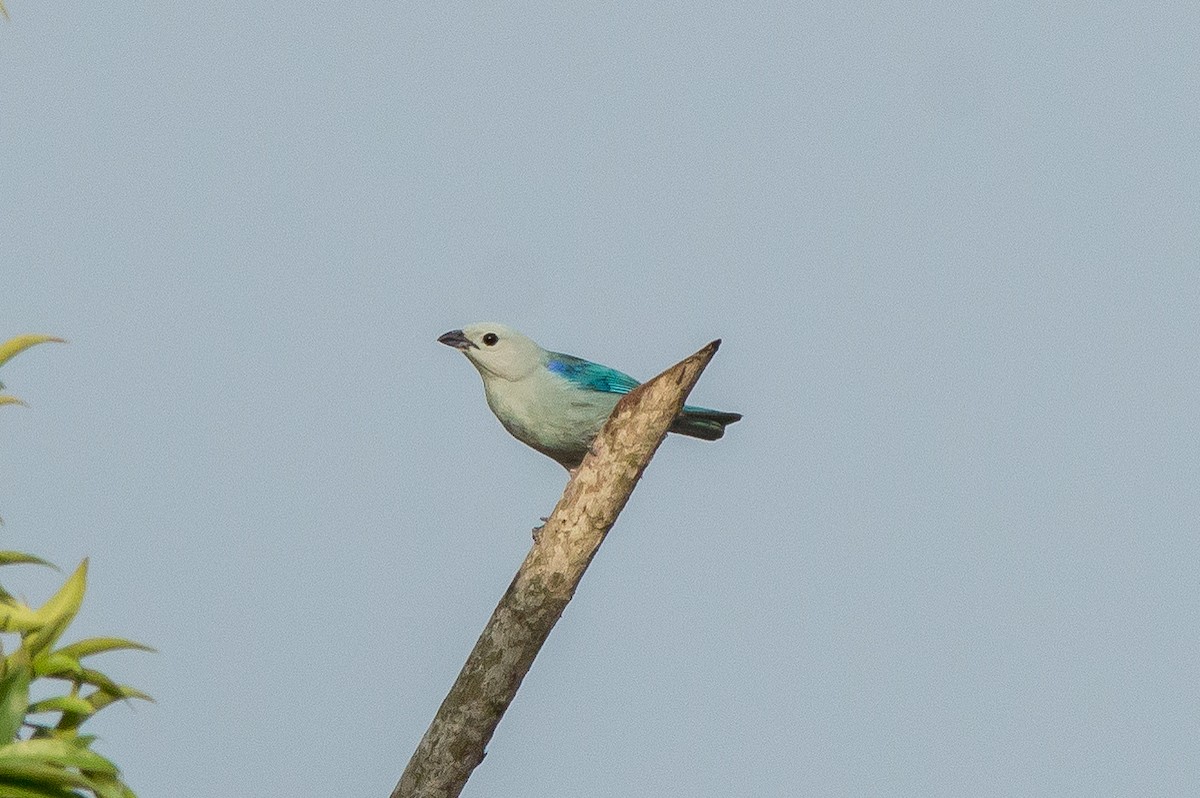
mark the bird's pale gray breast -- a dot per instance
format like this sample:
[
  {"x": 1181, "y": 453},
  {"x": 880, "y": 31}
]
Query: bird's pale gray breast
[{"x": 549, "y": 413}]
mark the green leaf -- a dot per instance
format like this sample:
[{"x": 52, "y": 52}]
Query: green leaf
[
  {"x": 108, "y": 692},
  {"x": 99, "y": 645},
  {"x": 62, "y": 703},
  {"x": 25, "y": 789},
  {"x": 17, "y": 617},
  {"x": 57, "y": 665},
  {"x": 14, "y": 346},
  {"x": 6, "y": 399},
  {"x": 57, "y": 613},
  {"x": 54, "y": 752},
  {"x": 98, "y": 700},
  {"x": 102, "y": 698},
  {"x": 110, "y": 787},
  {"x": 14, "y": 694},
  {"x": 100, "y": 682},
  {"x": 30, "y": 770},
  {"x": 21, "y": 558}
]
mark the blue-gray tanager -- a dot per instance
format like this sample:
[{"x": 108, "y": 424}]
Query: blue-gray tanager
[{"x": 553, "y": 402}]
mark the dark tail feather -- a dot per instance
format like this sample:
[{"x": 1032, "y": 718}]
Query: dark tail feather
[{"x": 700, "y": 422}]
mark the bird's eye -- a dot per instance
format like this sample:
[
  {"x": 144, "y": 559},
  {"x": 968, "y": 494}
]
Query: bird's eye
[{"x": 490, "y": 339}]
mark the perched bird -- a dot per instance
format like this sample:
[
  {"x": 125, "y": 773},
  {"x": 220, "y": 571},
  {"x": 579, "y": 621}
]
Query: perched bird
[{"x": 557, "y": 403}]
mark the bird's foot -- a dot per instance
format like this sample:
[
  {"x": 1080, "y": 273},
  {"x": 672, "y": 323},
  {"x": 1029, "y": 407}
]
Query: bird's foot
[{"x": 537, "y": 530}]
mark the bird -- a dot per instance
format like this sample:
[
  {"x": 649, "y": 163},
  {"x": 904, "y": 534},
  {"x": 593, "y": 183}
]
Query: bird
[{"x": 557, "y": 403}]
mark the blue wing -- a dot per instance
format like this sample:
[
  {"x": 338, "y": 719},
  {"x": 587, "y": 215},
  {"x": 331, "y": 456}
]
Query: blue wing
[{"x": 589, "y": 375}]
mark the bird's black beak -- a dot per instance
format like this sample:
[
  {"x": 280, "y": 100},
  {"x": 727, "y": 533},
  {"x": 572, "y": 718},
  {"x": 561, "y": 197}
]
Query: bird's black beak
[{"x": 456, "y": 339}]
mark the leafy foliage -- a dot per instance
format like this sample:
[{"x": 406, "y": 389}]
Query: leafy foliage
[
  {"x": 51, "y": 758},
  {"x": 15, "y": 346}
]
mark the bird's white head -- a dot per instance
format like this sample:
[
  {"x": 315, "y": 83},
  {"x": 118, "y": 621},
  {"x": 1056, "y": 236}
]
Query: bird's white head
[{"x": 496, "y": 350}]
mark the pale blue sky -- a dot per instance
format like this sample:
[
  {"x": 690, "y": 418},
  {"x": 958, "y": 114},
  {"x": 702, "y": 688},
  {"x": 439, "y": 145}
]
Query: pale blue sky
[{"x": 954, "y": 254}]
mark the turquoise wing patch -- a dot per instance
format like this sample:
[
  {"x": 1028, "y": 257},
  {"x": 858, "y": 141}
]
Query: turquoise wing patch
[{"x": 589, "y": 375}]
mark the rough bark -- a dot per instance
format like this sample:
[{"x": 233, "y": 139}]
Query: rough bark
[{"x": 454, "y": 743}]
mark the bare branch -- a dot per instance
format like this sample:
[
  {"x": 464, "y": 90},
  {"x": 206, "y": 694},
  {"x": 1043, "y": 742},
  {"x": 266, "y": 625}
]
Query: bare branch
[{"x": 454, "y": 744}]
